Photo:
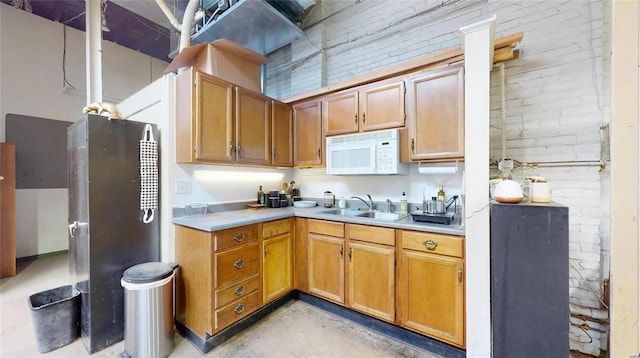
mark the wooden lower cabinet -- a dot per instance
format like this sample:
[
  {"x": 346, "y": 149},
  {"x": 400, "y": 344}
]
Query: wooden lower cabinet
[
  {"x": 409, "y": 278},
  {"x": 431, "y": 285},
  {"x": 371, "y": 262},
  {"x": 326, "y": 267},
  {"x": 277, "y": 259},
  {"x": 219, "y": 277},
  {"x": 371, "y": 282}
]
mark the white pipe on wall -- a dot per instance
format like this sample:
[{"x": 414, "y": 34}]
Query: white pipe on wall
[{"x": 94, "y": 50}]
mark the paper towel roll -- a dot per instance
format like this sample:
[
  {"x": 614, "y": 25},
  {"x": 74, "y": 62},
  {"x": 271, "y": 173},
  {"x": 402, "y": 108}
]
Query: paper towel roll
[{"x": 449, "y": 168}]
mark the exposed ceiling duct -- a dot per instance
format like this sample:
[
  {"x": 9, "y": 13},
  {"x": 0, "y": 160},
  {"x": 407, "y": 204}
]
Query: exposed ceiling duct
[{"x": 260, "y": 25}]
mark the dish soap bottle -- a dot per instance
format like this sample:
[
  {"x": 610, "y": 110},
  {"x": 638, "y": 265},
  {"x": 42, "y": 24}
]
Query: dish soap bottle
[
  {"x": 404, "y": 206},
  {"x": 260, "y": 196},
  {"x": 441, "y": 193}
]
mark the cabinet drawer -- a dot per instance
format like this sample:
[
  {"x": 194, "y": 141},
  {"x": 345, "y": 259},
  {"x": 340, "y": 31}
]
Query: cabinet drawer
[
  {"x": 433, "y": 243},
  {"x": 233, "y": 312},
  {"x": 235, "y": 264},
  {"x": 376, "y": 235},
  {"x": 225, "y": 239},
  {"x": 238, "y": 290},
  {"x": 329, "y": 228},
  {"x": 277, "y": 227}
]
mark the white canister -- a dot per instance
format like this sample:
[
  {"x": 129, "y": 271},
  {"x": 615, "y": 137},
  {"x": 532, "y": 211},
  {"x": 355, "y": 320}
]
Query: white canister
[{"x": 538, "y": 192}]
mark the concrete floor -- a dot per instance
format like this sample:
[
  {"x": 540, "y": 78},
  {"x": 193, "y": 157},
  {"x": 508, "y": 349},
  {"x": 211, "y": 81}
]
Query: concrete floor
[{"x": 296, "y": 329}]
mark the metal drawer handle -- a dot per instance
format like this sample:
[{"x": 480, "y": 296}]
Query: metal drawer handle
[
  {"x": 239, "y": 237},
  {"x": 430, "y": 244},
  {"x": 239, "y": 264},
  {"x": 239, "y": 308},
  {"x": 239, "y": 290}
]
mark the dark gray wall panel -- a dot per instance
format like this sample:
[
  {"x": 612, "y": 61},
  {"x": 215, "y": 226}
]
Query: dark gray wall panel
[{"x": 41, "y": 151}]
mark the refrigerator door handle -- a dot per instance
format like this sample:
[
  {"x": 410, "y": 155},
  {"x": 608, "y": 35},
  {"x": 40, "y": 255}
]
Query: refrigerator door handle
[{"x": 74, "y": 227}]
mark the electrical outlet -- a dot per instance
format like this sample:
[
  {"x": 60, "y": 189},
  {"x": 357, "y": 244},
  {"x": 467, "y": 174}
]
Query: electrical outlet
[{"x": 183, "y": 186}]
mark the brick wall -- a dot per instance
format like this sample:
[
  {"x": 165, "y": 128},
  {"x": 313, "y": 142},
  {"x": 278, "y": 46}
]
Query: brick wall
[{"x": 557, "y": 100}]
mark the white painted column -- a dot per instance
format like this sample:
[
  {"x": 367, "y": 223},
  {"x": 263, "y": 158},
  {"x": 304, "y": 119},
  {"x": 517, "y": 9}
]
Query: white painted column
[
  {"x": 624, "y": 306},
  {"x": 93, "y": 36},
  {"x": 477, "y": 40}
]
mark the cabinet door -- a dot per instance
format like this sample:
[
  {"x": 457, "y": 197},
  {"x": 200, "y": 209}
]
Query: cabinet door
[
  {"x": 436, "y": 114},
  {"x": 7, "y": 210},
  {"x": 276, "y": 269},
  {"x": 382, "y": 106},
  {"x": 253, "y": 127},
  {"x": 340, "y": 112},
  {"x": 281, "y": 134},
  {"x": 326, "y": 267},
  {"x": 214, "y": 119},
  {"x": 431, "y": 295},
  {"x": 307, "y": 127},
  {"x": 371, "y": 278}
]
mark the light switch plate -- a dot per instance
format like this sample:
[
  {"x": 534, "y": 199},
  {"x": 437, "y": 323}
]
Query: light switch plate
[{"x": 183, "y": 186}]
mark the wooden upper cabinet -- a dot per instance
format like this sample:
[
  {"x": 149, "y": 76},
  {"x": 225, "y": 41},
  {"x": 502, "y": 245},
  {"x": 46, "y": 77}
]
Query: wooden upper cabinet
[
  {"x": 253, "y": 127},
  {"x": 308, "y": 144},
  {"x": 281, "y": 134},
  {"x": 366, "y": 108},
  {"x": 340, "y": 112},
  {"x": 436, "y": 114},
  {"x": 204, "y": 119},
  {"x": 382, "y": 106}
]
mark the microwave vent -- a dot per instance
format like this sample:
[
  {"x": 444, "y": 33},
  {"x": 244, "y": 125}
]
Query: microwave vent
[{"x": 364, "y": 137}]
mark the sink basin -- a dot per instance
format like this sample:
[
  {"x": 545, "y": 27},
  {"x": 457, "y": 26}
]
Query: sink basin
[
  {"x": 343, "y": 212},
  {"x": 376, "y": 215},
  {"x": 379, "y": 215}
]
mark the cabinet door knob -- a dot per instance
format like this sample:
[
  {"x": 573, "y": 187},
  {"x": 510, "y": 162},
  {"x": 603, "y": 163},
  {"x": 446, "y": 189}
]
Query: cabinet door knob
[
  {"x": 430, "y": 244},
  {"x": 230, "y": 148},
  {"x": 341, "y": 251},
  {"x": 413, "y": 145},
  {"x": 350, "y": 253},
  {"x": 355, "y": 118},
  {"x": 265, "y": 250},
  {"x": 364, "y": 117},
  {"x": 239, "y": 308},
  {"x": 239, "y": 290},
  {"x": 239, "y": 237},
  {"x": 274, "y": 153},
  {"x": 239, "y": 264},
  {"x": 460, "y": 274},
  {"x": 319, "y": 152}
]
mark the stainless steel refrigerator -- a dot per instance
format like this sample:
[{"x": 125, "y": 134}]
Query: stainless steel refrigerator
[{"x": 112, "y": 220}]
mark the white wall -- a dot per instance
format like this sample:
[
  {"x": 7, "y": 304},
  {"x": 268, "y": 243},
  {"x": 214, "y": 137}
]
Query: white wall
[
  {"x": 31, "y": 83},
  {"x": 557, "y": 98}
]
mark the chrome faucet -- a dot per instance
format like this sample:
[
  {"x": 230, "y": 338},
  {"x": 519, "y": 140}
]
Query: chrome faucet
[
  {"x": 369, "y": 204},
  {"x": 389, "y": 206}
]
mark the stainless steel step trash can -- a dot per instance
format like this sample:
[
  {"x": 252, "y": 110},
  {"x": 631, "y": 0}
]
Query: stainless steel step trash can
[
  {"x": 148, "y": 310},
  {"x": 55, "y": 314}
]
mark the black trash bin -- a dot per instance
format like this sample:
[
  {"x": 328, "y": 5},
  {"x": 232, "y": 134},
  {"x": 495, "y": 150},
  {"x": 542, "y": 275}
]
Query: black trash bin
[{"x": 56, "y": 317}]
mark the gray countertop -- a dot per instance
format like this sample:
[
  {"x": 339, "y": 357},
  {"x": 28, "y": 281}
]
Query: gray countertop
[{"x": 230, "y": 219}]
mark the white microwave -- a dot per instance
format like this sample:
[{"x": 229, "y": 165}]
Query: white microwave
[{"x": 365, "y": 153}]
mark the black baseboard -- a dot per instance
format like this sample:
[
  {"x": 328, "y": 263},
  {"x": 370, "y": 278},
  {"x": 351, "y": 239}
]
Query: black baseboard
[{"x": 205, "y": 345}]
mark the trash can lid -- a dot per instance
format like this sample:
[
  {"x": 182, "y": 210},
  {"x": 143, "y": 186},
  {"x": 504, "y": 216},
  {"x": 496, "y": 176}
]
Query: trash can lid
[{"x": 147, "y": 272}]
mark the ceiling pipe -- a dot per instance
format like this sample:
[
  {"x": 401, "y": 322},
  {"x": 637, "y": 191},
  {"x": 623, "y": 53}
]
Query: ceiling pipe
[
  {"x": 94, "y": 50},
  {"x": 167, "y": 12},
  {"x": 187, "y": 23}
]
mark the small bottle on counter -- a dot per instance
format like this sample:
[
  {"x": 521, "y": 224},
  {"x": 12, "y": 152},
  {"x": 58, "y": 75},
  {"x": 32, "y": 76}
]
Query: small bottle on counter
[
  {"x": 404, "y": 206},
  {"x": 441, "y": 196},
  {"x": 260, "y": 196},
  {"x": 342, "y": 204}
]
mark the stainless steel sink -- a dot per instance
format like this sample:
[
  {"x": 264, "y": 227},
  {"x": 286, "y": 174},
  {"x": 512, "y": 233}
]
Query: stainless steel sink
[
  {"x": 380, "y": 215},
  {"x": 343, "y": 212},
  {"x": 375, "y": 215}
]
